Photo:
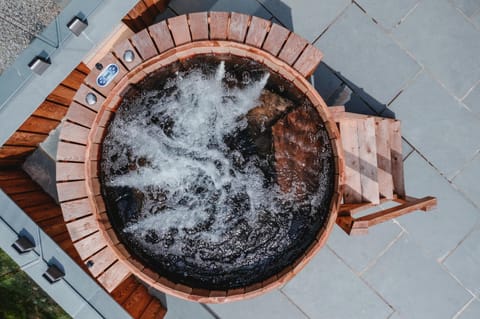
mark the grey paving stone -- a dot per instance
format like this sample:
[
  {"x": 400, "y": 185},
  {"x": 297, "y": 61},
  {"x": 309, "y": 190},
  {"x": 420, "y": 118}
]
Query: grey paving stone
[
  {"x": 464, "y": 263},
  {"x": 395, "y": 315},
  {"x": 271, "y": 305},
  {"x": 476, "y": 19},
  {"x": 416, "y": 285},
  {"x": 359, "y": 251},
  {"x": 366, "y": 57},
  {"x": 388, "y": 12},
  {"x": 472, "y": 100},
  {"x": 439, "y": 231},
  {"x": 13, "y": 40},
  {"x": 472, "y": 311},
  {"x": 307, "y": 18},
  {"x": 468, "y": 7},
  {"x": 327, "y": 288},
  {"x": 182, "y": 309},
  {"x": 88, "y": 312},
  {"x": 251, "y": 7},
  {"x": 468, "y": 179},
  {"x": 107, "y": 306},
  {"x": 445, "y": 42},
  {"x": 437, "y": 125},
  {"x": 325, "y": 81}
]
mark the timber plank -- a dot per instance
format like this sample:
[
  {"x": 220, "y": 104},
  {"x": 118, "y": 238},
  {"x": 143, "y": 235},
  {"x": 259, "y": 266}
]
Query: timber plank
[
  {"x": 74, "y": 79},
  {"x": 80, "y": 97},
  {"x": 144, "y": 44},
  {"x": 90, "y": 245},
  {"x": 385, "y": 180},
  {"x": 82, "y": 227},
  {"x": 120, "y": 48},
  {"x": 198, "y": 22},
  {"x": 219, "y": 25},
  {"x": 292, "y": 48},
  {"x": 62, "y": 95},
  {"x": 26, "y": 138},
  {"x": 161, "y": 36},
  {"x": 353, "y": 189},
  {"x": 308, "y": 61},
  {"x": 71, "y": 152},
  {"x": 71, "y": 190},
  {"x": 70, "y": 171},
  {"x": 237, "y": 30},
  {"x": 125, "y": 289},
  {"x": 180, "y": 31},
  {"x": 368, "y": 160},
  {"x": 275, "y": 39},
  {"x": 72, "y": 132},
  {"x": 137, "y": 302},
  {"x": 37, "y": 124},
  {"x": 7, "y": 151},
  {"x": 101, "y": 260},
  {"x": 113, "y": 276},
  {"x": 80, "y": 114},
  {"x": 154, "y": 310},
  {"x": 257, "y": 32},
  {"x": 397, "y": 158},
  {"x": 51, "y": 110},
  {"x": 75, "y": 209}
]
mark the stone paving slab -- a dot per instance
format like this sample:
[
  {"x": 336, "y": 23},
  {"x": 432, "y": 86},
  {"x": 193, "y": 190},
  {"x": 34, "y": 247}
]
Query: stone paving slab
[
  {"x": 306, "y": 18},
  {"x": 464, "y": 263},
  {"x": 416, "y": 285},
  {"x": 468, "y": 7},
  {"x": 387, "y": 13},
  {"x": 438, "y": 232},
  {"x": 468, "y": 179},
  {"x": 443, "y": 41},
  {"x": 472, "y": 311},
  {"x": 250, "y": 7},
  {"x": 472, "y": 100},
  {"x": 359, "y": 251},
  {"x": 367, "y": 57},
  {"x": 271, "y": 305},
  {"x": 327, "y": 288},
  {"x": 437, "y": 125}
]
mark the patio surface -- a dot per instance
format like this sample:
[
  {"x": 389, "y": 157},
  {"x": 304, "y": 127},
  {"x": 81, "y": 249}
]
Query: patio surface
[
  {"x": 420, "y": 62},
  {"x": 417, "y": 60}
]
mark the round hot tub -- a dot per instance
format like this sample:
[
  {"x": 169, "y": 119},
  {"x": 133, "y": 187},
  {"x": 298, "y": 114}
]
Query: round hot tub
[{"x": 212, "y": 168}]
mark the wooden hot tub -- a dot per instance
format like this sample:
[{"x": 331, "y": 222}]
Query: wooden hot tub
[{"x": 129, "y": 64}]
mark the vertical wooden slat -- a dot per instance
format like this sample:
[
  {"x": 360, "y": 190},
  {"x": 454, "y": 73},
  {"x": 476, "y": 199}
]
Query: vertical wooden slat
[
  {"x": 385, "y": 180},
  {"x": 353, "y": 189},
  {"x": 368, "y": 160},
  {"x": 397, "y": 159}
]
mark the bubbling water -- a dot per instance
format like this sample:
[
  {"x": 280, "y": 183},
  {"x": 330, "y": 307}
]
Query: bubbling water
[{"x": 192, "y": 179}]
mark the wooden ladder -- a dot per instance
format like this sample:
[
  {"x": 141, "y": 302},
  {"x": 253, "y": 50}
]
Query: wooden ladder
[{"x": 372, "y": 149}]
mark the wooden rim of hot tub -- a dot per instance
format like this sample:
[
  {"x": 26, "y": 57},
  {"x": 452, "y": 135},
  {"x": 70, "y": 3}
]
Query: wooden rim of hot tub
[{"x": 79, "y": 149}]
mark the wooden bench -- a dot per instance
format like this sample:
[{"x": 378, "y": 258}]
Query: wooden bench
[{"x": 373, "y": 171}]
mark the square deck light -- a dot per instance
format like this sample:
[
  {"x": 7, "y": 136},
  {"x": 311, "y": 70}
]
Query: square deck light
[
  {"x": 39, "y": 65},
  {"x": 23, "y": 245},
  {"x": 53, "y": 274},
  {"x": 77, "y": 25}
]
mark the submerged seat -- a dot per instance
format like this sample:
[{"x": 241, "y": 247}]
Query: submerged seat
[{"x": 372, "y": 149}]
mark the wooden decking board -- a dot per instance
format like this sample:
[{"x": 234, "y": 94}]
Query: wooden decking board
[
  {"x": 71, "y": 152},
  {"x": 180, "y": 31},
  {"x": 76, "y": 209},
  {"x": 385, "y": 180},
  {"x": 238, "y": 27},
  {"x": 293, "y": 48},
  {"x": 198, "y": 22},
  {"x": 144, "y": 44},
  {"x": 36, "y": 124},
  {"x": 113, "y": 276},
  {"x": 82, "y": 227},
  {"x": 67, "y": 171},
  {"x": 353, "y": 187},
  {"x": 125, "y": 289},
  {"x": 257, "y": 32},
  {"x": 161, "y": 36},
  {"x": 368, "y": 160},
  {"x": 275, "y": 39},
  {"x": 101, "y": 260},
  {"x": 219, "y": 25},
  {"x": 90, "y": 245},
  {"x": 120, "y": 48},
  {"x": 75, "y": 133},
  {"x": 308, "y": 60},
  {"x": 137, "y": 302},
  {"x": 71, "y": 190},
  {"x": 80, "y": 114},
  {"x": 397, "y": 159}
]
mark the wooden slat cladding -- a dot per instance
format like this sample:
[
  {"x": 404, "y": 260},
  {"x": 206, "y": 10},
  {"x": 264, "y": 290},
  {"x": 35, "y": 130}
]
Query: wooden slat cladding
[
  {"x": 42, "y": 121},
  {"x": 143, "y": 14}
]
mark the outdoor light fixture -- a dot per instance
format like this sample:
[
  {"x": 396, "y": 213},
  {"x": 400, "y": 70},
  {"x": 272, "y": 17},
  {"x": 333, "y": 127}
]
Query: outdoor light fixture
[
  {"x": 23, "y": 245},
  {"x": 39, "y": 65},
  {"x": 91, "y": 98},
  {"x": 53, "y": 274},
  {"x": 77, "y": 25},
  {"x": 128, "y": 56}
]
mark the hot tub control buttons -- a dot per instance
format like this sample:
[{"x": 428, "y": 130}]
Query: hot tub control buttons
[{"x": 107, "y": 75}]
